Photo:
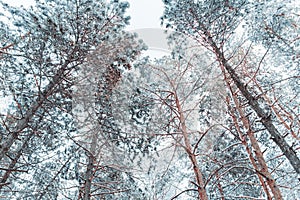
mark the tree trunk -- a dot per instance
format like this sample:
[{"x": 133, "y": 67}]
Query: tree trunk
[
  {"x": 23, "y": 123},
  {"x": 288, "y": 151},
  {"x": 192, "y": 156},
  {"x": 90, "y": 168},
  {"x": 263, "y": 168},
  {"x": 14, "y": 161},
  {"x": 249, "y": 152}
]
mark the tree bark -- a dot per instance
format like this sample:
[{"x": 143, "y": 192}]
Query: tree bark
[
  {"x": 14, "y": 161},
  {"x": 262, "y": 168},
  {"x": 248, "y": 150},
  {"x": 188, "y": 148},
  {"x": 23, "y": 123},
  {"x": 90, "y": 168},
  {"x": 288, "y": 151}
]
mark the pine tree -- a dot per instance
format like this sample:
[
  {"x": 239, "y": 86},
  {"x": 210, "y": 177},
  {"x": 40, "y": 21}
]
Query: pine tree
[
  {"x": 248, "y": 41},
  {"x": 50, "y": 44}
]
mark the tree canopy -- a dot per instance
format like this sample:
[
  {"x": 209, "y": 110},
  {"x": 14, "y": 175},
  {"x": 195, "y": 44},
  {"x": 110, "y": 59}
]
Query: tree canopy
[{"x": 84, "y": 115}]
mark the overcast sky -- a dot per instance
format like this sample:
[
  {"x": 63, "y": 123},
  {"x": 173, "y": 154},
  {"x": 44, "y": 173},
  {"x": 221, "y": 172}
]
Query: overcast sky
[
  {"x": 145, "y": 20},
  {"x": 145, "y": 13}
]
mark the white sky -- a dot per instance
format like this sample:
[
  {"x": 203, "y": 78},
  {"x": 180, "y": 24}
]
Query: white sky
[
  {"x": 145, "y": 13},
  {"x": 145, "y": 20}
]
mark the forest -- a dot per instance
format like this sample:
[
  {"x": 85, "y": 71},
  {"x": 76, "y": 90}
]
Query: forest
[{"x": 85, "y": 115}]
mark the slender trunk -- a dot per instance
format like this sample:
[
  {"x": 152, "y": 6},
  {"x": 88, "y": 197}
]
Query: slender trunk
[
  {"x": 288, "y": 151},
  {"x": 220, "y": 188},
  {"x": 192, "y": 156},
  {"x": 14, "y": 161},
  {"x": 90, "y": 168},
  {"x": 263, "y": 168},
  {"x": 249, "y": 152},
  {"x": 23, "y": 123}
]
